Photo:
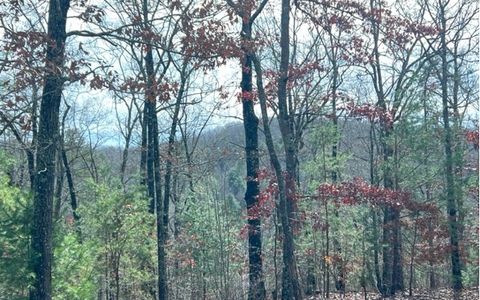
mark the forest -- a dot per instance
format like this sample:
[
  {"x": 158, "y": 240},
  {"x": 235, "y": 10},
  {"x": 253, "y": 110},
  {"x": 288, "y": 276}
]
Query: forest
[{"x": 239, "y": 149}]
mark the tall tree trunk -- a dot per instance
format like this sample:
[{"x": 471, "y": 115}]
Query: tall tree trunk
[
  {"x": 286, "y": 182},
  {"x": 42, "y": 252},
  {"x": 153, "y": 160},
  {"x": 170, "y": 148},
  {"x": 458, "y": 147},
  {"x": 256, "y": 289},
  {"x": 153, "y": 175},
  {"x": 392, "y": 257},
  {"x": 150, "y": 113},
  {"x": 375, "y": 233},
  {"x": 449, "y": 162},
  {"x": 143, "y": 152},
  {"x": 340, "y": 273},
  {"x": 290, "y": 284},
  {"x": 428, "y": 197}
]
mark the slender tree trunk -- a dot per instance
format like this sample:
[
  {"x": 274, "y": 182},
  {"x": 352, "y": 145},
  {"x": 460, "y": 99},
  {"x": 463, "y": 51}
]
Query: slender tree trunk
[
  {"x": 153, "y": 161},
  {"x": 126, "y": 149},
  {"x": 33, "y": 146},
  {"x": 449, "y": 162},
  {"x": 458, "y": 147},
  {"x": 170, "y": 149},
  {"x": 31, "y": 165},
  {"x": 42, "y": 252},
  {"x": 58, "y": 189},
  {"x": 397, "y": 266},
  {"x": 392, "y": 256},
  {"x": 412, "y": 258},
  {"x": 431, "y": 267},
  {"x": 275, "y": 261},
  {"x": 143, "y": 153},
  {"x": 290, "y": 284},
  {"x": 428, "y": 195},
  {"x": 363, "y": 279},
  {"x": 327, "y": 251},
  {"x": 68, "y": 172},
  {"x": 376, "y": 247},
  {"x": 153, "y": 176},
  {"x": 387, "y": 253},
  {"x": 256, "y": 288},
  {"x": 71, "y": 188},
  {"x": 340, "y": 279},
  {"x": 150, "y": 113},
  {"x": 375, "y": 237}
]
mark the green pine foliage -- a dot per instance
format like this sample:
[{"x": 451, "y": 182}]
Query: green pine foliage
[{"x": 15, "y": 217}]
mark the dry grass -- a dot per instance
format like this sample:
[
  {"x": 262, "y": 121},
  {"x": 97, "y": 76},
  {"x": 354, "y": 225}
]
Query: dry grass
[{"x": 440, "y": 294}]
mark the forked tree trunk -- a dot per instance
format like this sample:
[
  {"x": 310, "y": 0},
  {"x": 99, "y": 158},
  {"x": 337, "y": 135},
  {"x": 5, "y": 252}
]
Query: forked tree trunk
[
  {"x": 290, "y": 283},
  {"x": 289, "y": 274},
  {"x": 153, "y": 174},
  {"x": 171, "y": 147},
  {"x": 286, "y": 182},
  {"x": 153, "y": 163}
]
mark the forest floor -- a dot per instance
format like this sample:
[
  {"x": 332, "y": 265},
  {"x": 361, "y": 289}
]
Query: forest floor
[{"x": 440, "y": 294}]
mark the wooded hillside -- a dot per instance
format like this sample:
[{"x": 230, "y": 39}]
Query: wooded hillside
[{"x": 229, "y": 149}]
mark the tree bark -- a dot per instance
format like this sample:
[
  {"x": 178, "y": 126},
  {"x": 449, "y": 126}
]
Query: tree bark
[
  {"x": 58, "y": 190},
  {"x": 281, "y": 203},
  {"x": 153, "y": 160},
  {"x": 340, "y": 279},
  {"x": 71, "y": 187},
  {"x": 449, "y": 161},
  {"x": 48, "y": 134},
  {"x": 256, "y": 288},
  {"x": 392, "y": 257},
  {"x": 170, "y": 148},
  {"x": 153, "y": 175},
  {"x": 290, "y": 284}
]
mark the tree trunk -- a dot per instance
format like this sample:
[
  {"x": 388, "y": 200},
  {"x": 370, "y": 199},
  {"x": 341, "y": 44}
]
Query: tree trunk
[
  {"x": 153, "y": 161},
  {"x": 289, "y": 274},
  {"x": 449, "y": 162},
  {"x": 170, "y": 149},
  {"x": 42, "y": 252},
  {"x": 392, "y": 257},
  {"x": 340, "y": 279},
  {"x": 286, "y": 183},
  {"x": 143, "y": 153},
  {"x": 290, "y": 284},
  {"x": 58, "y": 190},
  {"x": 71, "y": 188},
  {"x": 256, "y": 289},
  {"x": 153, "y": 175},
  {"x": 412, "y": 258}
]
